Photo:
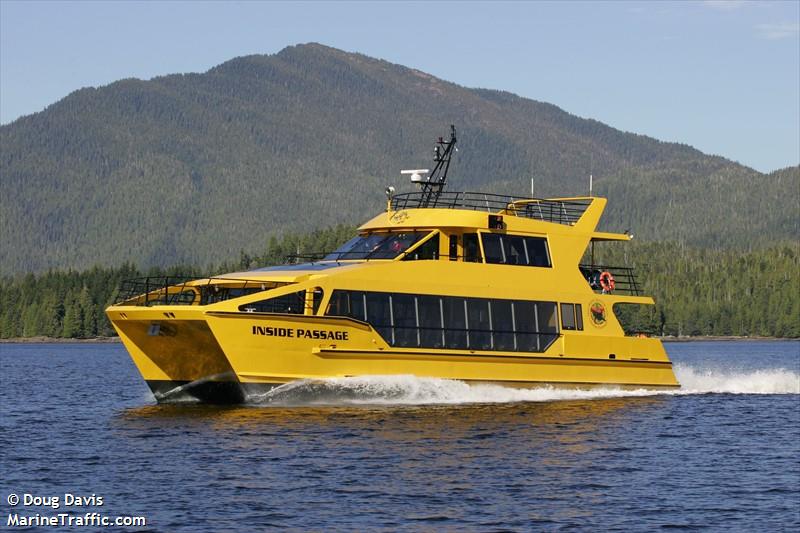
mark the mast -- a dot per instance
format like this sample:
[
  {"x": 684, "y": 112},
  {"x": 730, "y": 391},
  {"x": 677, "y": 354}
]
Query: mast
[{"x": 442, "y": 153}]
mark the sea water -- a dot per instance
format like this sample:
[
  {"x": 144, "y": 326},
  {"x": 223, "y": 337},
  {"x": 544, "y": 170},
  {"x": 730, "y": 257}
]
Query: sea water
[{"x": 398, "y": 453}]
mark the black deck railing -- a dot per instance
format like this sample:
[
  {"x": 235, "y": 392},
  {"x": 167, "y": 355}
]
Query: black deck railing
[
  {"x": 559, "y": 211},
  {"x": 624, "y": 278},
  {"x": 184, "y": 290}
]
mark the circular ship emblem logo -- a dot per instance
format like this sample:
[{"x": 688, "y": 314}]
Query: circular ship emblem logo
[
  {"x": 597, "y": 311},
  {"x": 399, "y": 217}
]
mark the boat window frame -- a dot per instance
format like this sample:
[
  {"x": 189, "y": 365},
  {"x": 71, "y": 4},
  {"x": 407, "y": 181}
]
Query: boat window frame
[
  {"x": 577, "y": 317},
  {"x": 405, "y": 255},
  {"x": 338, "y": 256},
  {"x": 300, "y": 295},
  {"x": 501, "y": 234},
  {"x": 479, "y": 249},
  {"x": 457, "y": 329}
]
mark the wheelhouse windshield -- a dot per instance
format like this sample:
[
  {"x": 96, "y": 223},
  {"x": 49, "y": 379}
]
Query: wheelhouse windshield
[{"x": 376, "y": 246}]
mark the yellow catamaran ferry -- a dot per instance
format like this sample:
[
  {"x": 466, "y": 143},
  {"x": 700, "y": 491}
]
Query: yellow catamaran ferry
[{"x": 457, "y": 285}]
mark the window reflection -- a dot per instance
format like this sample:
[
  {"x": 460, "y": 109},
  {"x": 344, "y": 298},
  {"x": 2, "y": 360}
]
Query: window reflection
[
  {"x": 376, "y": 246},
  {"x": 430, "y": 321}
]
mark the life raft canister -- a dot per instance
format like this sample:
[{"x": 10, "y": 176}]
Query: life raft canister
[{"x": 607, "y": 281}]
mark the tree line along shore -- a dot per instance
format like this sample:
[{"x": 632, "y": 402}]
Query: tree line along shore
[{"x": 698, "y": 292}]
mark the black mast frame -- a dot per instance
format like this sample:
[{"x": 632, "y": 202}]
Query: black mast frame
[{"x": 442, "y": 154}]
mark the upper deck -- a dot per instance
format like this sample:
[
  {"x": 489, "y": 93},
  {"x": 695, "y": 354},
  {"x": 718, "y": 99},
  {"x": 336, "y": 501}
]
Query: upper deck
[
  {"x": 484, "y": 211},
  {"x": 557, "y": 210}
]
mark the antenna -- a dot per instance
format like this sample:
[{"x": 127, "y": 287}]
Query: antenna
[
  {"x": 591, "y": 170},
  {"x": 442, "y": 153},
  {"x": 417, "y": 176},
  {"x": 532, "y": 187}
]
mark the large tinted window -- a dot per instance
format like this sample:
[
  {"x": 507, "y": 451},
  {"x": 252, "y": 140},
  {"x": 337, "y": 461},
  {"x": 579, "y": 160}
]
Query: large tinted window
[
  {"x": 525, "y": 327},
  {"x": 503, "y": 325},
  {"x": 427, "y": 250},
  {"x": 455, "y": 322},
  {"x": 379, "y": 314},
  {"x": 394, "y": 245},
  {"x": 538, "y": 254},
  {"x": 571, "y": 317},
  {"x": 472, "y": 252},
  {"x": 548, "y": 322},
  {"x": 493, "y": 248},
  {"x": 515, "y": 250},
  {"x": 293, "y": 303},
  {"x": 547, "y": 318},
  {"x": 348, "y": 303},
  {"x": 568, "y": 316},
  {"x": 459, "y": 323},
  {"x": 430, "y": 321},
  {"x": 376, "y": 246},
  {"x": 479, "y": 324},
  {"x": 404, "y": 313}
]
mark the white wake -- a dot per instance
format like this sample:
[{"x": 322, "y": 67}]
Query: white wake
[
  {"x": 764, "y": 381},
  {"x": 411, "y": 390}
]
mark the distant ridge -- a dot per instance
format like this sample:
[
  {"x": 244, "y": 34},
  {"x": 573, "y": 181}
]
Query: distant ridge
[{"x": 196, "y": 167}]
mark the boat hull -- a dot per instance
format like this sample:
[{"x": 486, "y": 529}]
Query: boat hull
[
  {"x": 228, "y": 357},
  {"x": 206, "y": 391}
]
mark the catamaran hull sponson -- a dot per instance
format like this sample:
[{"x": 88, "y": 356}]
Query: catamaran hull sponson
[
  {"x": 214, "y": 392},
  {"x": 234, "y": 392},
  {"x": 226, "y": 359}
]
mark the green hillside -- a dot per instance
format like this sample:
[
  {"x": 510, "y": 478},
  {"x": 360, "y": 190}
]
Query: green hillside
[{"x": 193, "y": 168}]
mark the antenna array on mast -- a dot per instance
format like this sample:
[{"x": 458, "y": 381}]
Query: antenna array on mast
[{"x": 442, "y": 153}]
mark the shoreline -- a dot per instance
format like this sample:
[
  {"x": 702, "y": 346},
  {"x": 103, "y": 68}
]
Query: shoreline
[
  {"x": 725, "y": 338},
  {"x": 58, "y": 340},
  {"x": 114, "y": 340}
]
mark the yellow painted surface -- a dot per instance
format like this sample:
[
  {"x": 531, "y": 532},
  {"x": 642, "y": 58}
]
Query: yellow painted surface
[{"x": 209, "y": 339}]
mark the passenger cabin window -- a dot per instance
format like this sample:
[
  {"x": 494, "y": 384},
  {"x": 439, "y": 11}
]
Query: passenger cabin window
[
  {"x": 379, "y": 314},
  {"x": 504, "y": 249},
  {"x": 571, "y": 317},
  {"x": 293, "y": 303},
  {"x": 492, "y": 249},
  {"x": 451, "y": 322},
  {"x": 316, "y": 300},
  {"x": 348, "y": 303},
  {"x": 453, "y": 247},
  {"x": 427, "y": 250},
  {"x": 376, "y": 246},
  {"x": 472, "y": 252}
]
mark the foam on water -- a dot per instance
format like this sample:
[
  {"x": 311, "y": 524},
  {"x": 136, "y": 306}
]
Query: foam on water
[
  {"x": 411, "y": 390},
  {"x": 762, "y": 381}
]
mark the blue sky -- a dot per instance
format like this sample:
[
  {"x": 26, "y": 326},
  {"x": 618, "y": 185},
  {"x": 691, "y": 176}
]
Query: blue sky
[{"x": 721, "y": 76}]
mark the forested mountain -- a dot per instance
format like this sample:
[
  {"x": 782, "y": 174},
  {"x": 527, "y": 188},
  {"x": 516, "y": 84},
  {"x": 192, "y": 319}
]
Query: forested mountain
[{"x": 193, "y": 168}]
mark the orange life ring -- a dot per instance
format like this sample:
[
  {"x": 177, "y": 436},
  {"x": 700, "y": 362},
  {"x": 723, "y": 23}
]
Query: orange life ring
[{"x": 607, "y": 281}]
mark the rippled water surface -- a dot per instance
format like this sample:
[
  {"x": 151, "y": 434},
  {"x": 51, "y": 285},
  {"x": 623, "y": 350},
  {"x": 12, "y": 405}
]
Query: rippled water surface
[{"x": 399, "y": 453}]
